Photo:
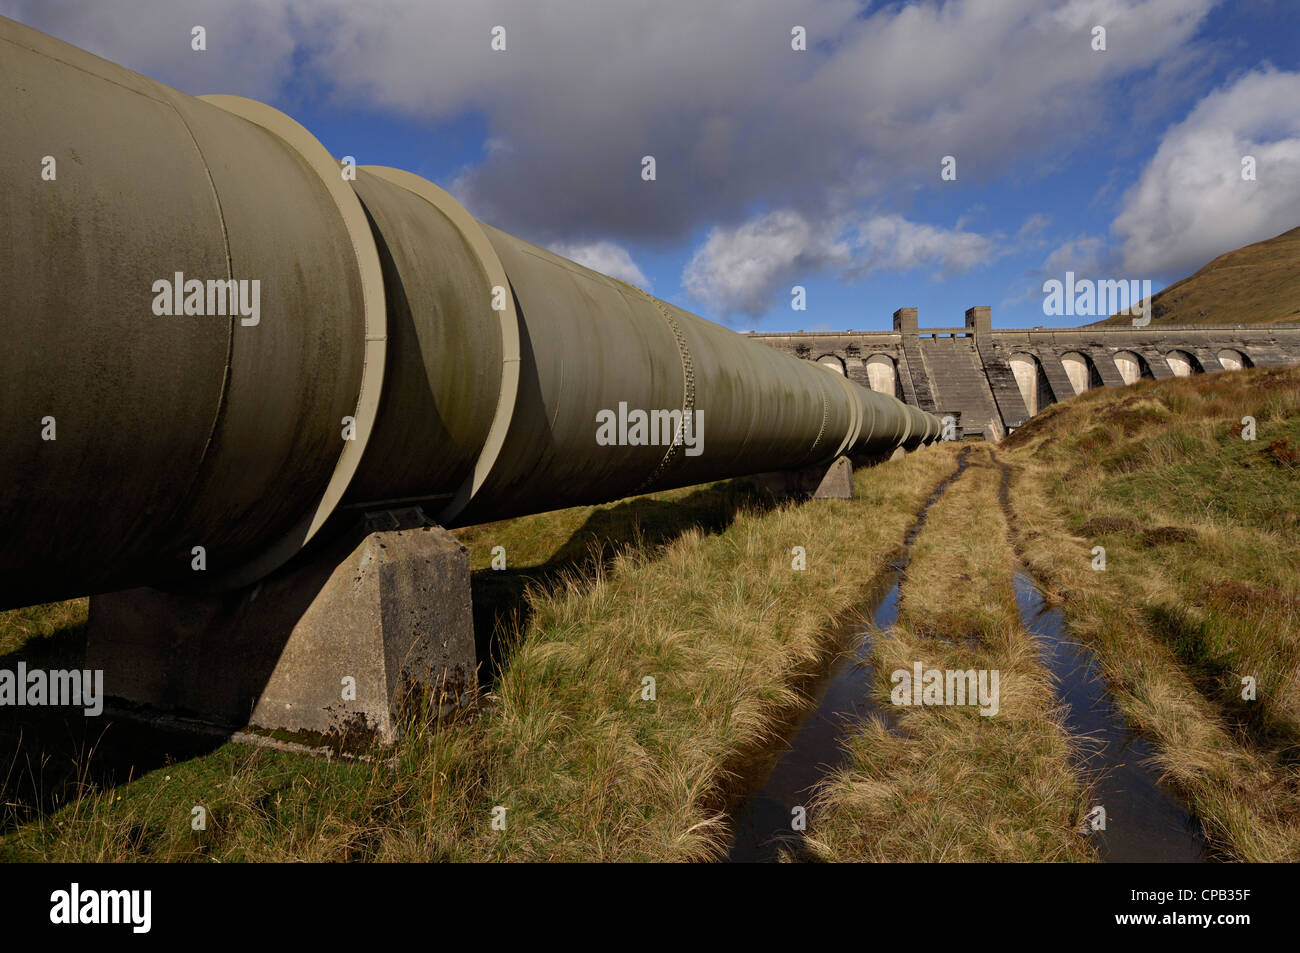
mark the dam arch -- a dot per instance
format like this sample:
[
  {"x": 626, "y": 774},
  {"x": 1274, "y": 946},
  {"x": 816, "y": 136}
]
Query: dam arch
[
  {"x": 1031, "y": 379},
  {"x": 833, "y": 361},
  {"x": 1183, "y": 363},
  {"x": 882, "y": 374},
  {"x": 1081, "y": 371},
  {"x": 1132, "y": 366},
  {"x": 1234, "y": 360}
]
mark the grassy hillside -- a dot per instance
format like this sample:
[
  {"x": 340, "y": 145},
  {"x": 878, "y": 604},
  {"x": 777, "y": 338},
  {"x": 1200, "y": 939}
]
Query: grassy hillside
[
  {"x": 1255, "y": 285},
  {"x": 1194, "y": 617},
  {"x": 1196, "y": 612}
]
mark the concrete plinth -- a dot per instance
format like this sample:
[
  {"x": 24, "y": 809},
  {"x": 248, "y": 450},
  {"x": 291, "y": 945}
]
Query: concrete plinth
[
  {"x": 820, "y": 483},
  {"x": 329, "y": 649}
]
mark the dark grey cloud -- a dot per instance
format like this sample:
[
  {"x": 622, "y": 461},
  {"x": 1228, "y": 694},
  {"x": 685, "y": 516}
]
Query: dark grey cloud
[{"x": 732, "y": 115}]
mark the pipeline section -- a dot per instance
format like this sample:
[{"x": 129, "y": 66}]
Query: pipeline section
[{"x": 218, "y": 340}]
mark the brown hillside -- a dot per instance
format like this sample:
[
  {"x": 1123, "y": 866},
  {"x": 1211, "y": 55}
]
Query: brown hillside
[{"x": 1255, "y": 285}]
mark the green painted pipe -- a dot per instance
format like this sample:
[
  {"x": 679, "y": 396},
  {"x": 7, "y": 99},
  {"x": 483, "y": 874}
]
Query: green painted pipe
[
  {"x": 133, "y": 436},
  {"x": 217, "y": 342}
]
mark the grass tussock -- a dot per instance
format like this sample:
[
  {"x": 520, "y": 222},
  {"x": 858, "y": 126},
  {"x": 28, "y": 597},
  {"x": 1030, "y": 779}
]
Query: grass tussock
[
  {"x": 1199, "y": 601},
  {"x": 585, "y": 766},
  {"x": 945, "y": 783}
]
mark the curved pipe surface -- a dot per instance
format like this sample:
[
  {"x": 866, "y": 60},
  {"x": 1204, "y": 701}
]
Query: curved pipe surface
[{"x": 217, "y": 342}]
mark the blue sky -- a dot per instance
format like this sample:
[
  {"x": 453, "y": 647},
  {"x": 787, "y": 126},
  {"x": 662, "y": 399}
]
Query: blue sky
[{"x": 777, "y": 167}]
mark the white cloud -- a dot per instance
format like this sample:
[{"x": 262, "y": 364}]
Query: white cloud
[
  {"x": 1190, "y": 203},
  {"x": 1087, "y": 256},
  {"x": 1082, "y": 255},
  {"x": 742, "y": 269},
  {"x": 607, "y": 258},
  {"x": 1033, "y": 228},
  {"x": 892, "y": 243}
]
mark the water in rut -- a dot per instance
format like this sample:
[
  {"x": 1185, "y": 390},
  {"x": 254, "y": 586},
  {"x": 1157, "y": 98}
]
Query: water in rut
[
  {"x": 843, "y": 699},
  {"x": 1143, "y": 822}
]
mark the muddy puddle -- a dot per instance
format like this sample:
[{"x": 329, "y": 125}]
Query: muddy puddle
[{"x": 1144, "y": 822}]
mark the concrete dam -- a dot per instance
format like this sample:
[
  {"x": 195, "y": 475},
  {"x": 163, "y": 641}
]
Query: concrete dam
[
  {"x": 246, "y": 387},
  {"x": 992, "y": 381}
]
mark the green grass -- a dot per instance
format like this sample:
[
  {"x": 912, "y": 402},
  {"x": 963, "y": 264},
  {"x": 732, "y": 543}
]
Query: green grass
[{"x": 42, "y": 628}]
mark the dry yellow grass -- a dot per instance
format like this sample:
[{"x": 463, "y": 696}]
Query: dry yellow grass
[{"x": 730, "y": 632}]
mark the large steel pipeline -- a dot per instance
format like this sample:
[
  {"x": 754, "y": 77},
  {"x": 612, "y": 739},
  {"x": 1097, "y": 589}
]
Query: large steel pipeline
[{"x": 218, "y": 339}]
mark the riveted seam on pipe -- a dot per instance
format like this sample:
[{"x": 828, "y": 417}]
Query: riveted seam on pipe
[
  {"x": 826, "y": 412},
  {"x": 854, "y": 431},
  {"x": 688, "y": 393}
]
